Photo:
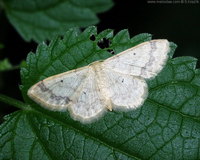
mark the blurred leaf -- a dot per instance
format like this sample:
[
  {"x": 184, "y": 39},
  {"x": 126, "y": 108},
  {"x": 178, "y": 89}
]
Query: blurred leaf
[
  {"x": 167, "y": 126},
  {"x": 5, "y": 65},
  {"x": 22, "y": 64},
  {"x": 41, "y": 20}
]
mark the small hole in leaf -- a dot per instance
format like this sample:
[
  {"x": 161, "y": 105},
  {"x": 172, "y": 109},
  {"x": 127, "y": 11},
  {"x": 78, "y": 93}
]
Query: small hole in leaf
[
  {"x": 92, "y": 37},
  {"x": 111, "y": 51},
  {"x": 104, "y": 43},
  {"x": 61, "y": 37},
  {"x": 47, "y": 42}
]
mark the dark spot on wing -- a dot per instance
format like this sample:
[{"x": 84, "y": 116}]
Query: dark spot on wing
[
  {"x": 151, "y": 59},
  {"x": 92, "y": 37},
  {"x": 153, "y": 46},
  {"x": 67, "y": 100},
  {"x": 43, "y": 87},
  {"x": 122, "y": 80},
  {"x": 59, "y": 98},
  {"x": 134, "y": 53},
  {"x": 84, "y": 92}
]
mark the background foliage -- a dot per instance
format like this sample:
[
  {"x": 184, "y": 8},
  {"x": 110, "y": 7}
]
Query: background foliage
[{"x": 170, "y": 131}]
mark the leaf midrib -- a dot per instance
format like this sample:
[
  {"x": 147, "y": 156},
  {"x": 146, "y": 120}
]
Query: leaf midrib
[{"x": 83, "y": 133}]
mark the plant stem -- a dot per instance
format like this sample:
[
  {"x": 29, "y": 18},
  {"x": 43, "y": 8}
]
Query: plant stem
[{"x": 13, "y": 102}]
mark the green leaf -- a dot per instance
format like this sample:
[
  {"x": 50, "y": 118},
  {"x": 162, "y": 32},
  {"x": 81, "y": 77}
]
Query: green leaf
[
  {"x": 5, "y": 65},
  {"x": 167, "y": 126},
  {"x": 41, "y": 20}
]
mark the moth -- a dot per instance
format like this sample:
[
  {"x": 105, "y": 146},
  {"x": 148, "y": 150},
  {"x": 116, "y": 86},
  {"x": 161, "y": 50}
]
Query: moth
[{"x": 115, "y": 83}]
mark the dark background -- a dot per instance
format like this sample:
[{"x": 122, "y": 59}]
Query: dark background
[{"x": 179, "y": 23}]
